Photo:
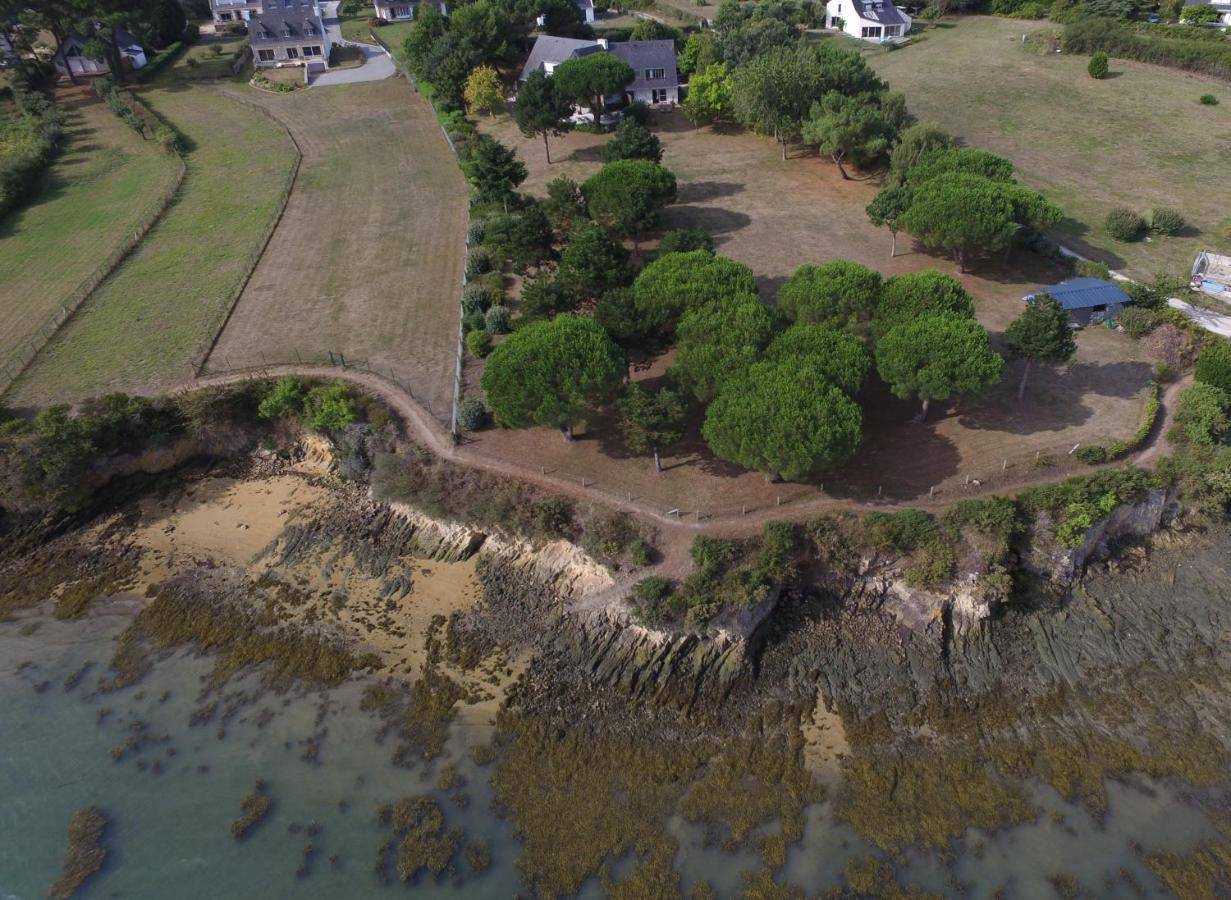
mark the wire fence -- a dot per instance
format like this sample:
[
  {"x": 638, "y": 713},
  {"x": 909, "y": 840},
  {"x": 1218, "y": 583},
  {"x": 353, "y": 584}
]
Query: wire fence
[{"x": 19, "y": 359}]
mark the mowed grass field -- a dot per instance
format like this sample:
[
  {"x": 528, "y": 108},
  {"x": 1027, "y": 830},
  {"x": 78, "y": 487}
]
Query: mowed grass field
[
  {"x": 140, "y": 330},
  {"x": 367, "y": 259},
  {"x": 1138, "y": 139},
  {"x": 775, "y": 216},
  {"x": 105, "y": 183}
]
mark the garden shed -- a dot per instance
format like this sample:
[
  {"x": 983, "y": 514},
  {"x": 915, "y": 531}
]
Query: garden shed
[{"x": 1088, "y": 301}]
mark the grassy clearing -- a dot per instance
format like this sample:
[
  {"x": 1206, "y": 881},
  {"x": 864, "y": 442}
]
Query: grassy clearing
[
  {"x": 201, "y": 61},
  {"x": 105, "y": 183},
  {"x": 367, "y": 257},
  {"x": 143, "y": 326},
  {"x": 356, "y": 28},
  {"x": 1138, "y": 139}
]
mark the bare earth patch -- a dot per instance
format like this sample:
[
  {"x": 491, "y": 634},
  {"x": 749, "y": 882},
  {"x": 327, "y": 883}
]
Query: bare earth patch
[{"x": 367, "y": 259}]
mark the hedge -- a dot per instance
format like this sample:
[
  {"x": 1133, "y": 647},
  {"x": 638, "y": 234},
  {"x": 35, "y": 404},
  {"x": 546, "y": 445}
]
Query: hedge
[
  {"x": 1127, "y": 42},
  {"x": 161, "y": 60},
  {"x": 1094, "y": 455},
  {"x": 29, "y": 141}
]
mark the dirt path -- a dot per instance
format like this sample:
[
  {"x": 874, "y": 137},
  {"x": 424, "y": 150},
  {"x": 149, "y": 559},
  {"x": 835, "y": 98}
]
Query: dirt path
[{"x": 426, "y": 430}]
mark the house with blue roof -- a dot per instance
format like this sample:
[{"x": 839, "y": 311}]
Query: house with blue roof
[{"x": 1088, "y": 301}]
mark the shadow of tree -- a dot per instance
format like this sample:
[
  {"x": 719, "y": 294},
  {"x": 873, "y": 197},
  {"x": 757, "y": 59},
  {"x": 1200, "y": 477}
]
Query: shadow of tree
[
  {"x": 715, "y": 220},
  {"x": 700, "y": 191}
]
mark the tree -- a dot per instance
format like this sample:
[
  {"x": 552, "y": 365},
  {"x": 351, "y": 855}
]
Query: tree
[
  {"x": 429, "y": 27},
  {"x": 839, "y": 356},
  {"x": 709, "y": 95},
  {"x": 960, "y": 159},
  {"x": 1214, "y": 365},
  {"x": 1200, "y": 14},
  {"x": 563, "y": 19},
  {"x": 494, "y": 171},
  {"x": 886, "y": 209},
  {"x": 524, "y": 238},
  {"x": 590, "y": 79},
  {"x": 936, "y": 357},
  {"x": 564, "y": 204},
  {"x": 484, "y": 91},
  {"x": 617, "y": 312},
  {"x": 1041, "y": 332},
  {"x": 626, "y": 196},
  {"x": 783, "y": 419},
  {"x": 907, "y": 297},
  {"x": 541, "y": 109},
  {"x": 960, "y": 214},
  {"x": 496, "y": 34},
  {"x": 448, "y": 64},
  {"x": 676, "y": 282},
  {"x": 754, "y": 39},
  {"x": 913, "y": 144},
  {"x": 632, "y": 140},
  {"x": 719, "y": 340},
  {"x": 855, "y": 128},
  {"x": 653, "y": 30},
  {"x": 684, "y": 240},
  {"x": 1098, "y": 65},
  {"x": 700, "y": 52},
  {"x": 651, "y": 421},
  {"x": 552, "y": 373},
  {"x": 839, "y": 294},
  {"x": 773, "y": 92},
  {"x": 592, "y": 263}
]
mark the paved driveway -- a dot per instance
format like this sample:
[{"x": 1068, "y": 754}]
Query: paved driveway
[{"x": 377, "y": 64}]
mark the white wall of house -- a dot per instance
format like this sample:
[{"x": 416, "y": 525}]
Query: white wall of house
[
  {"x": 657, "y": 96},
  {"x": 297, "y": 53},
  {"x": 844, "y": 14}
]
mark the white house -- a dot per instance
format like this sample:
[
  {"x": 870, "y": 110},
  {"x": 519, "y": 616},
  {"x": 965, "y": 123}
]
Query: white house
[
  {"x": 401, "y": 10},
  {"x": 230, "y": 11},
  {"x": 868, "y": 20},
  {"x": 586, "y": 7},
  {"x": 70, "y": 58},
  {"x": 1222, "y": 7},
  {"x": 657, "y": 80}
]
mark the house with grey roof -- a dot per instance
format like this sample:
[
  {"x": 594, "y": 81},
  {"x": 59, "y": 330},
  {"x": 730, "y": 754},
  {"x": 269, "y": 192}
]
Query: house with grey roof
[
  {"x": 1088, "y": 301},
  {"x": 403, "y": 10},
  {"x": 868, "y": 20},
  {"x": 289, "y": 33},
  {"x": 228, "y": 12},
  {"x": 657, "y": 80},
  {"x": 71, "y": 57}
]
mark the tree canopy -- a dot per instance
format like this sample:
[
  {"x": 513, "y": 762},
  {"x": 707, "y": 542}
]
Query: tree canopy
[
  {"x": 494, "y": 170},
  {"x": 907, "y": 297},
  {"x": 651, "y": 421},
  {"x": 961, "y": 214},
  {"x": 591, "y": 78},
  {"x": 854, "y": 128},
  {"x": 1041, "y": 333},
  {"x": 935, "y": 357},
  {"x": 632, "y": 140},
  {"x": 886, "y": 209},
  {"x": 839, "y": 294},
  {"x": 1214, "y": 365},
  {"x": 784, "y": 419},
  {"x": 541, "y": 109},
  {"x": 484, "y": 91},
  {"x": 676, "y": 282},
  {"x": 592, "y": 263},
  {"x": 626, "y": 196},
  {"x": 552, "y": 373},
  {"x": 709, "y": 95},
  {"x": 717, "y": 341},
  {"x": 839, "y": 356},
  {"x": 913, "y": 144},
  {"x": 967, "y": 160}
]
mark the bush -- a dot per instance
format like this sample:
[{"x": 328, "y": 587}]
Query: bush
[
  {"x": 1124, "y": 225},
  {"x": 1202, "y": 417},
  {"x": 497, "y": 320},
  {"x": 479, "y": 343},
  {"x": 1091, "y": 268},
  {"x": 1163, "y": 373},
  {"x": 932, "y": 564},
  {"x": 1166, "y": 222},
  {"x": 472, "y": 415},
  {"x": 329, "y": 407},
  {"x": 638, "y": 111},
  {"x": 1193, "y": 49},
  {"x": 651, "y": 600},
  {"x": 476, "y": 232},
  {"x": 902, "y": 531},
  {"x": 1098, "y": 65},
  {"x": 641, "y": 553},
  {"x": 684, "y": 240},
  {"x": 1092, "y": 456},
  {"x": 478, "y": 262},
  {"x": 286, "y": 397},
  {"x": 1214, "y": 365},
  {"x": 1137, "y": 321},
  {"x": 475, "y": 297},
  {"x": 1208, "y": 100}
]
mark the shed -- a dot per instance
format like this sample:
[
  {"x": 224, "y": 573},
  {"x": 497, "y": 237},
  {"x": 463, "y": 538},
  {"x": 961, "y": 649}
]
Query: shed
[{"x": 1088, "y": 301}]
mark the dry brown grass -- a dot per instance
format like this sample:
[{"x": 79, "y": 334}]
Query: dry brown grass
[
  {"x": 367, "y": 259},
  {"x": 775, "y": 216}
]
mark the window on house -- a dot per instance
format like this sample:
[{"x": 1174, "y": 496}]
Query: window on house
[
  {"x": 292, "y": 53},
  {"x": 265, "y": 55},
  {"x": 659, "y": 95},
  {"x": 871, "y": 31},
  {"x": 226, "y": 17},
  {"x": 655, "y": 74},
  {"x": 311, "y": 51}
]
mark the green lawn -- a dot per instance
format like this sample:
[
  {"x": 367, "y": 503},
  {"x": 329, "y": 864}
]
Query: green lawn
[
  {"x": 202, "y": 61},
  {"x": 356, "y": 28},
  {"x": 142, "y": 329},
  {"x": 104, "y": 184},
  {"x": 1138, "y": 139}
]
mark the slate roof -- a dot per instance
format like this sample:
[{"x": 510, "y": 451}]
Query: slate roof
[
  {"x": 880, "y": 11},
  {"x": 642, "y": 55},
  {"x": 549, "y": 49},
  {"x": 279, "y": 16},
  {"x": 1083, "y": 293}
]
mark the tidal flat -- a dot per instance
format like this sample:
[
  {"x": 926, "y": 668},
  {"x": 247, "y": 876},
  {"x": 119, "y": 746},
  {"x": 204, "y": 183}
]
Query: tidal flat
[{"x": 267, "y": 647}]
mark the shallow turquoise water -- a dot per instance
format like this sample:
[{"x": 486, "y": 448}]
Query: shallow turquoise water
[{"x": 169, "y": 830}]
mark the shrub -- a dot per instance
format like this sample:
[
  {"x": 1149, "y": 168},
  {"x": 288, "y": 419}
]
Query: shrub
[
  {"x": 1166, "y": 221},
  {"x": 651, "y": 600},
  {"x": 1208, "y": 100},
  {"x": 990, "y": 515},
  {"x": 638, "y": 111},
  {"x": 478, "y": 262},
  {"x": 1214, "y": 365},
  {"x": 472, "y": 414},
  {"x": 553, "y": 518},
  {"x": 1137, "y": 321},
  {"x": 641, "y": 553},
  {"x": 479, "y": 343},
  {"x": 902, "y": 531},
  {"x": 1091, "y": 268},
  {"x": 1163, "y": 373},
  {"x": 286, "y": 397},
  {"x": 1185, "y": 48},
  {"x": 684, "y": 240},
  {"x": 476, "y": 232},
  {"x": 1092, "y": 456},
  {"x": 931, "y": 564},
  {"x": 475, "y": 297},
  {"x": 497, "y": 320},
  {"x": 1098, "y": 65},
  {"x": 329, "y": 407},
  {"x": 1202, "y": 417},
  {"x": 1124, "y": 225}
]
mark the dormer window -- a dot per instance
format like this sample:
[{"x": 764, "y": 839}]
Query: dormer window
[{"x": 655, "y": 74}]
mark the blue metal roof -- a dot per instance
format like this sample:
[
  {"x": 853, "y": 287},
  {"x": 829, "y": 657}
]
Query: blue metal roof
[{"x": 1083, "y": 293}]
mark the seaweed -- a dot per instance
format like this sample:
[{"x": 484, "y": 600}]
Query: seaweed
[
  {"x": 86, "y": 853},
  {"x": 254, "y": 807}
]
